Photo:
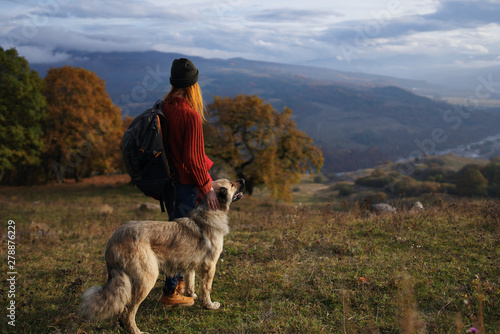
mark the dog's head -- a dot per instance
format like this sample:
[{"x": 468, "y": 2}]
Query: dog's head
[{"x": 228, "y": 191}]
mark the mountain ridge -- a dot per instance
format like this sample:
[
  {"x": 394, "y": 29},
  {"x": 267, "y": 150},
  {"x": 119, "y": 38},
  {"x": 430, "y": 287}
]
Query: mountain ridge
[{"x": 358, "y": 120}]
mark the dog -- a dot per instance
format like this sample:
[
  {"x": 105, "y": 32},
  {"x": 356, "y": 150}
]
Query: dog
[{"x": 139, "y": 250}]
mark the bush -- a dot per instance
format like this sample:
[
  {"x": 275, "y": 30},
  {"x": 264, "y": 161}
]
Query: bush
[
  {"x": 492, "y": 173},
  {"x": 345, "y": 190},
  {"x": 429, "y": 187},
  {"x": 411, "y": 187},
  {"x": 377, "y": 179},
  {"x": 470, "y": 182},
  {"x": 379, "y": 197},
  {"x": 494, "y": 191},
  {"x": 433, "y": 173},
  {"x": 319, "y": 178},
  {"x": 405, "y": 186},
  {"x": 449, "y": 188}
]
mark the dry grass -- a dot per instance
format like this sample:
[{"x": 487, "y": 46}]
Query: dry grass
[{"x": 284, "y": 268}]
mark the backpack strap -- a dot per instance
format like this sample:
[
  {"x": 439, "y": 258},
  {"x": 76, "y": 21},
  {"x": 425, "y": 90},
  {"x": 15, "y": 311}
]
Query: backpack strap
[
  {"x": 167, "y": 197},
  {"x": 167, "y": 200},
  {"x": 162, "y": 205},
  {"x": 158, "y": 106}
]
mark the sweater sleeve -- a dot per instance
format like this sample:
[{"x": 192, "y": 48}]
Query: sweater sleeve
[{"x": 194, "y": 150}]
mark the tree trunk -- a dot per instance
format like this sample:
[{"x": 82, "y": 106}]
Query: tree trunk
[{"x": 77, "y": 175}]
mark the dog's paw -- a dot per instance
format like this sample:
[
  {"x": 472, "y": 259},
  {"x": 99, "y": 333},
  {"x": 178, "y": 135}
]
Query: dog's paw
[
  {"x": 191, "y": 294},
  {"x": 213, "y": 306}
]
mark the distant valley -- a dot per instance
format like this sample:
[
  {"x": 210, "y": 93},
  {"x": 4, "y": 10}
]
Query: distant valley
[{"x": 359, "y": 120}]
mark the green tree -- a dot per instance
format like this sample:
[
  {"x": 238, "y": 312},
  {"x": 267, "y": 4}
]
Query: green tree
[
  {"x": 22, "y": 112},
  {"x": 492, "y": 173},
  {"x": 470, "y": 181},
  {"x": 260, "y": 144},
  {"x": 84, "y": 127}
]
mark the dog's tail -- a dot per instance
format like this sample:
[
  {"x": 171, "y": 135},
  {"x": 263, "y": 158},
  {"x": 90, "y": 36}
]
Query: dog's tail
[{"x": 100, "y": 303}]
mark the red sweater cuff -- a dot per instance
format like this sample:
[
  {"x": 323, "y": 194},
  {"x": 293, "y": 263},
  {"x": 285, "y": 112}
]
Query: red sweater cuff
[{"x": 206, "y": 188}]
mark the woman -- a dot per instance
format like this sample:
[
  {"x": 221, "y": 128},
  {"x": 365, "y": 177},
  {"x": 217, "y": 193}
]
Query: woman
[{"x": 184, "y": 110}]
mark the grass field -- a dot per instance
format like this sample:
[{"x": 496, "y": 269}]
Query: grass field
[{"x": 284, "y": 269}]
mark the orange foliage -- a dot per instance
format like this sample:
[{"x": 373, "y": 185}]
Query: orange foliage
[
  {"x": 84, "y": 127},
  {"x": 260, "y": 144}
]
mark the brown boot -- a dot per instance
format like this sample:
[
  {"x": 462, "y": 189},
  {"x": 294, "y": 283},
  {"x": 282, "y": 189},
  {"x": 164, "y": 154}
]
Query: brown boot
[
  {"x": 181, "y": 286},
  {"x": 176, "y": 299}
]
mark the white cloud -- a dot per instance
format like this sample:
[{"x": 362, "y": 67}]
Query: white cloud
[
  {"x": 281, "y": 30},
  {"x": 281, "y": 15},
  {"x": 110, "y": 9},
  {"x": 475, "y": 64},
  {"x": 197, "y": 51},
  {"x": 264, "y": 44},
  {"x": 463, "y": 41},
  {"x": 43, "y": 42},
  {"x": 475, "y": 49},
  {"x": 36, "y": 54}
]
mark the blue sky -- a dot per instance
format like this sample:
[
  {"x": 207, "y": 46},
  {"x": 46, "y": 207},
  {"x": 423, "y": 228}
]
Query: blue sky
[{"x": 396, "y": 35}]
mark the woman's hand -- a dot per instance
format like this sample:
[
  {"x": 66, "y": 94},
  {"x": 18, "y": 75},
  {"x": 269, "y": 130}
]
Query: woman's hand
[{"x": 212, "y": 200}]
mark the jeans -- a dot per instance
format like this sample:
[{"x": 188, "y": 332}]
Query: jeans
[{"x": 185, "y": 201}]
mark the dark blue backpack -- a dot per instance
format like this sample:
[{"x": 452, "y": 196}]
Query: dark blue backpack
[{"x": 146, "y": 157}]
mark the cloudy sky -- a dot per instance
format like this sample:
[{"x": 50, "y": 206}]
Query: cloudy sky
[{"x": 390, "y": 33}]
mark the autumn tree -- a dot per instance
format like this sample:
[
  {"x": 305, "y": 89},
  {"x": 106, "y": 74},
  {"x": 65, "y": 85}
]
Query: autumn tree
[
  {"x": 84, "y": 127},
  {"x": 22, "y": 111},
  {"x": 260, "y": 144}
]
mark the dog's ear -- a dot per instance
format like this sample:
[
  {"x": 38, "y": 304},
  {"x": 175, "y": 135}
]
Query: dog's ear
[{"x": 222, "y": 195}]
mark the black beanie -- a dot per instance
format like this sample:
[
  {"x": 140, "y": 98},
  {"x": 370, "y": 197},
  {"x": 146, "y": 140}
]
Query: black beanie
[{"x": 183, "y": 73}]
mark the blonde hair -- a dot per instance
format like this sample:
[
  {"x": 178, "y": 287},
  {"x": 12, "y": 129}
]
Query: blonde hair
[{"x": 192, "y": 94}]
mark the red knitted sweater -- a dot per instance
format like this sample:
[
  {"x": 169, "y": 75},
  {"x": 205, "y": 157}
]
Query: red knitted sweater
[{"x": 187, "y": 148}]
